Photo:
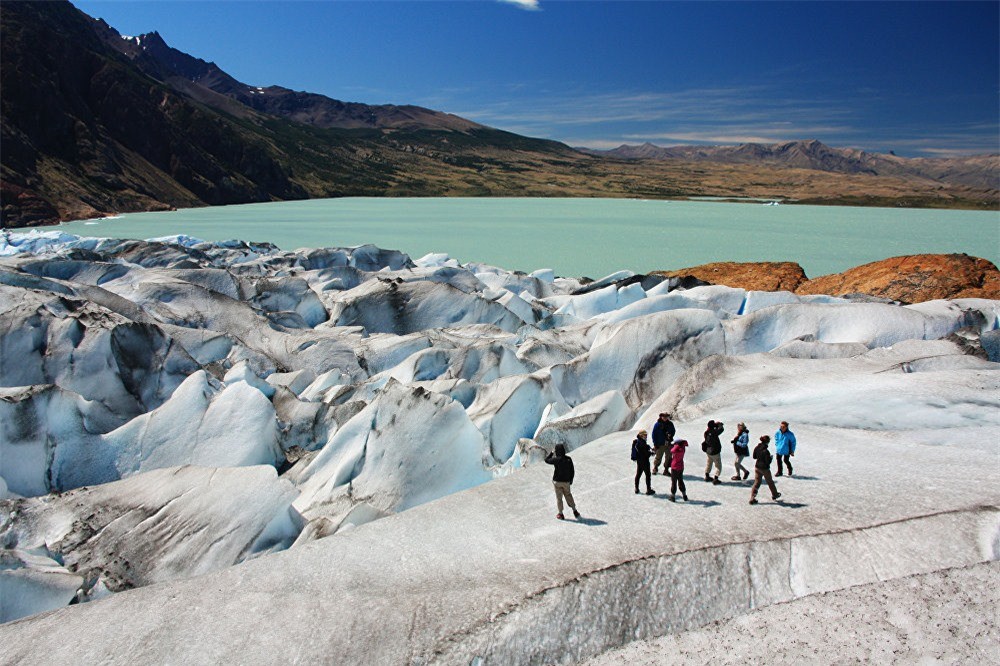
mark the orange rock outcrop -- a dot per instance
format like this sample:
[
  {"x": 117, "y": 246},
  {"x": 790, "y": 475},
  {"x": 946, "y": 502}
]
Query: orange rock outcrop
[
  {"x": 909, "y": 279},
  {"x": 756, "y": 276},
  {"x": 914, "y": 278}
]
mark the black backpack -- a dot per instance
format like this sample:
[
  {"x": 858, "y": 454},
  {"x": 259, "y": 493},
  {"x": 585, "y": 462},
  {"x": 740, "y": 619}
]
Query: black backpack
[{"x": 635, "y": 452}]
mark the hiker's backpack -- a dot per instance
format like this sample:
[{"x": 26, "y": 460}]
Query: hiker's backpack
[{"x": 635, "y": 452}]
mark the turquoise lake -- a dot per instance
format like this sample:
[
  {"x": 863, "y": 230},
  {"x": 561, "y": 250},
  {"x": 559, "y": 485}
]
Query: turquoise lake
[{"x": 583, "y": 237}]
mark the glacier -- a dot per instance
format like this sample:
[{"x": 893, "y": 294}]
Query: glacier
[{"x": 271, "y": 442}]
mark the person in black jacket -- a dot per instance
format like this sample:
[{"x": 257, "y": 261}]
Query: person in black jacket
[
  {"x": 562, "y": 479},
  {"x": 663, "y": 437},
  {"x": 712, "y": 446},
  {"x": 762, "y": 470},
  {"x": 640, "y": 454}
]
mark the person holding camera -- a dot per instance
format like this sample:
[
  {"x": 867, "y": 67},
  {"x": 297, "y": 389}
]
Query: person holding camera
[
  {"x": 562, "y": 479},
  {"x": 712, "y": 446}
]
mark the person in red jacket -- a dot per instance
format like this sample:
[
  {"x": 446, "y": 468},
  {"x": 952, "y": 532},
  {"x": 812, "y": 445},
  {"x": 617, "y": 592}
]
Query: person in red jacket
[{"x": 677, "y": 469}]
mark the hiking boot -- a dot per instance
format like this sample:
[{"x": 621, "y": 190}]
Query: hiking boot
[
  {"x": 673, "y": 499},
  {"x": 576, "y": 514},
  {"x": 735, "y": 478},
  {"x": 560, "y": 516},
  {"x": 708, "y": 477},
  {"x": 685, "y": 497},
  {"x": 650, "y": 491},
  {"x": 746, "y": 475},
  {"x": 776, "y": 496},
  {"x": 637, "y": 490},
  {"x": 753, "y": 501},
  {"x": 779, "y": 474},
  {"x": 716, "y": 481}
]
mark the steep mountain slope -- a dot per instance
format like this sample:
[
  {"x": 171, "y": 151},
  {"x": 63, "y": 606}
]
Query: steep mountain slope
[
  {"x": 981, "y": 171},
  {"x": 87, "y": 131},
  {"x": 199, "y": 79}
]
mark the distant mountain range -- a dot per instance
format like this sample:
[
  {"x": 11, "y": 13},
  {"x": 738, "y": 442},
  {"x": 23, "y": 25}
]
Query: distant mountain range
[
  {"x": 94, "y": 123},
  {"x": 976, "y": 171}
]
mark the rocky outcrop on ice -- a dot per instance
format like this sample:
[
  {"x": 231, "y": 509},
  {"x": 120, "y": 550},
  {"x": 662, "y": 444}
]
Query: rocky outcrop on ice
[
  {"x": 907, "y": 279},
  {"x": 761, "y": 276},
  {"x": 146, "y": 388},
  {"x": 914, "y": 278}
]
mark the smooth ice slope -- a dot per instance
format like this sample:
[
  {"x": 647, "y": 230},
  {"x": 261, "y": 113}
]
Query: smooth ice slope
[{"x": 489, "y": 572}]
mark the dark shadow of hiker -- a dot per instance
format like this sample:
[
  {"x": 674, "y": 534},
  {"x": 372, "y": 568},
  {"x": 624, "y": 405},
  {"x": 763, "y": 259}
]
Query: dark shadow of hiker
[
  {"x": 593, "y": 522},
  {"x": 704, "y": 503},
  {"x": 797, "y": 477},
  {"x": 784, "y": 504}
]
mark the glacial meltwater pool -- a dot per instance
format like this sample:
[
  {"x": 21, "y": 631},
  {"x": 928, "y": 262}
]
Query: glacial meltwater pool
[{"x": 583, "y": 237}]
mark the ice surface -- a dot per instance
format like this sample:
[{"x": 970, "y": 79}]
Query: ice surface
[
  {"x": 160, "y": 526},
  {"x": 388, "y": 392},
  {"x": 941, "y": 617}
]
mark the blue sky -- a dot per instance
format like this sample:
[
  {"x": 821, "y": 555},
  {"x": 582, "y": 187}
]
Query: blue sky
[{"x": 918, "y": 78}]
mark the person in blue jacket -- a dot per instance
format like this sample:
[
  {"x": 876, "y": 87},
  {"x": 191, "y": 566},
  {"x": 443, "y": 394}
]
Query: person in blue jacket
[
  {"x": 784, "y": 447},
  {"x": 663, "y": 437}
]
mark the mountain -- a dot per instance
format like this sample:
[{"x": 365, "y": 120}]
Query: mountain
[
  {"x": 89, "y": 128},
  {"x": 207, "y": 83},
  {"x": 94, "y": 123},
  {"x": 980, "y": 171}
]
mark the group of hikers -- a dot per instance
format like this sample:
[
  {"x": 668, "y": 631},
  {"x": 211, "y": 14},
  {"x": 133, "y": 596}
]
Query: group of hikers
[{"x": 669, "y": 451}]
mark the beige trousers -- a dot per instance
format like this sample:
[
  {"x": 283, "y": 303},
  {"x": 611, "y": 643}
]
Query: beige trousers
[
  {"x": 714, "y": 460},
  {"x": 562, "y": 490}
]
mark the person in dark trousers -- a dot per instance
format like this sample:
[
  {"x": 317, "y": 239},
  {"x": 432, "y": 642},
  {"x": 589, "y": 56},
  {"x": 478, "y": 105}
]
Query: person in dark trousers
[
  {"x": 712, "y": 446},
  {"x": 741, "y": 447},
  {"x": 663, "y": 437},
  {"x": 640, "y": 454},
  {"x": 762, "y": 470},
  {"x": 677, "y": 469},
  {"x": 562, "y": 479},
  {"x": 784, "y": 446}
]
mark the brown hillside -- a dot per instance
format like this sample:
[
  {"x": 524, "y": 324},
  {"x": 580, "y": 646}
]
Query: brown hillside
[{"x": 914, "y": 278}]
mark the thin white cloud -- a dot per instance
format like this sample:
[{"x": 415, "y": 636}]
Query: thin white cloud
[
  {"x": 529, "y": 5},
  {"x": 720, "y": 115}
]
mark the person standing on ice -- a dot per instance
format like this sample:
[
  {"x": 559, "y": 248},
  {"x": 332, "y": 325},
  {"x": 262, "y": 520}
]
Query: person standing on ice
[
  {"x": 677, "y": 469},
  {"x": 562, "y": 479},
  {"x": 741, "y": 447},
  {"x": 663, "y": 436},
  {"x": 762, "y": 470},
  {"x": 784, "y": 446},
  {"x": 640, "y": 454},
  {"x": 712, "y": 446}
]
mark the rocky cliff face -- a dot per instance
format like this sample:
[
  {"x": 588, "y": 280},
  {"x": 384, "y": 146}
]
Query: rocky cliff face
[{"x": 908, "y": 279}]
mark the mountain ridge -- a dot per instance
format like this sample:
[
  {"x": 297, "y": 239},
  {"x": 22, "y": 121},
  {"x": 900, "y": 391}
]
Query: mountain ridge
[
  {"x": 93, "y": 123},
  {"x": 973, "y": 171},
  {"x": 156, "y": 58}
]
